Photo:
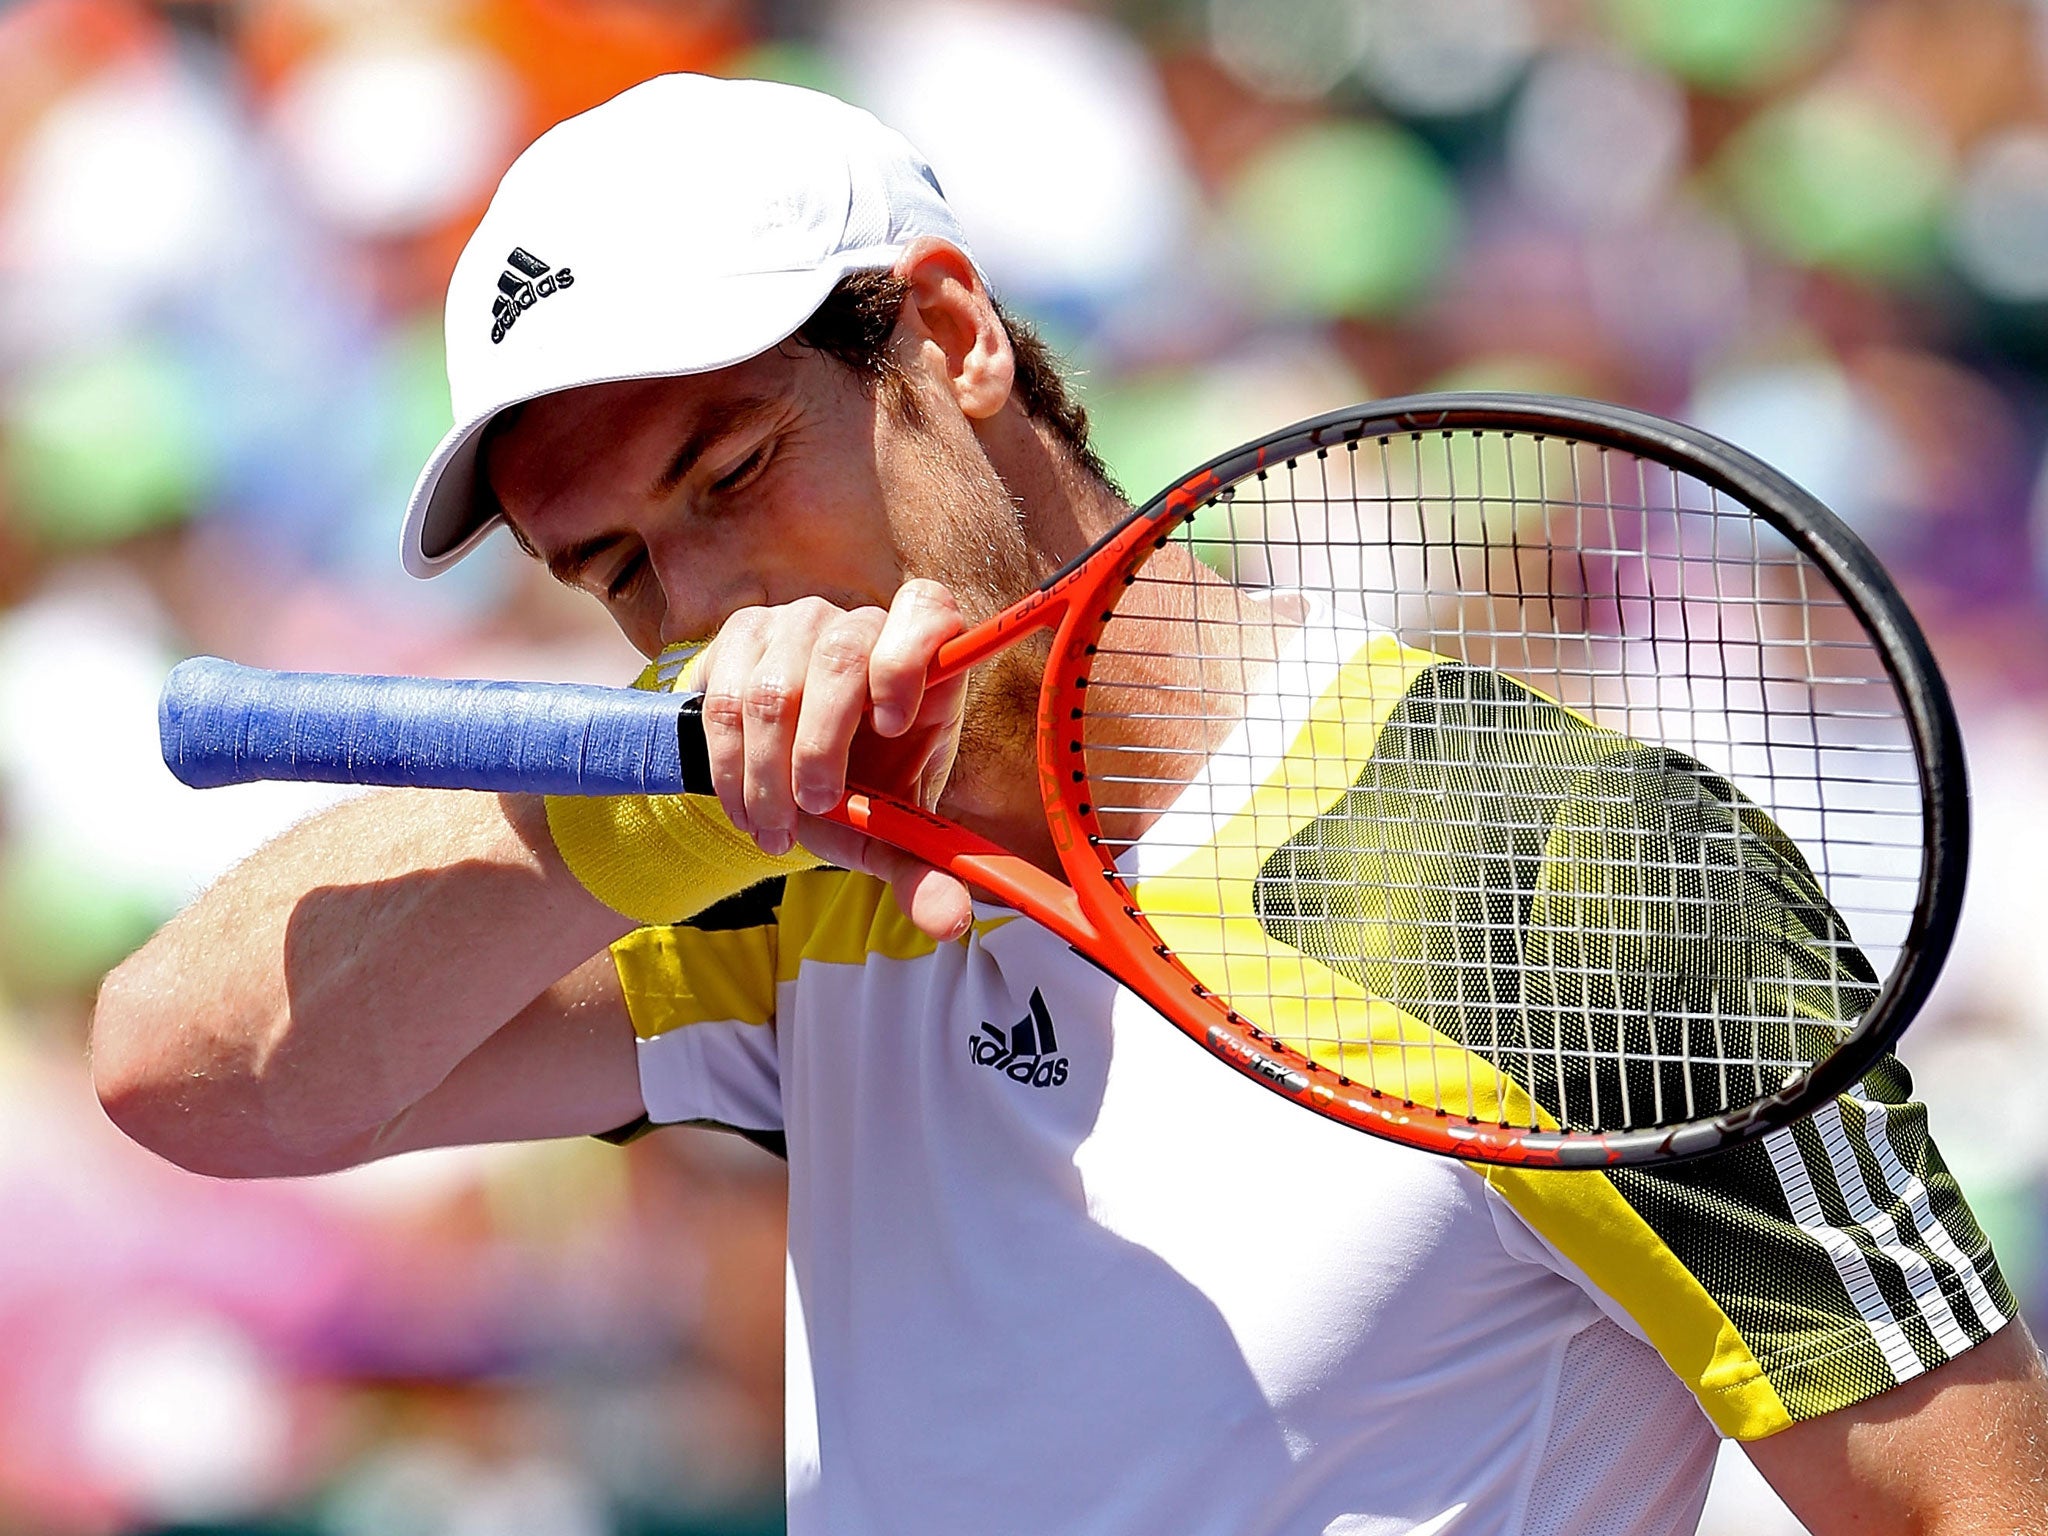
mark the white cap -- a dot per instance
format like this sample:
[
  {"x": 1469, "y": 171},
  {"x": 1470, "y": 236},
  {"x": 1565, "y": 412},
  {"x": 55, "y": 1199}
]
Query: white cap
[{"x": 688, "y": 224}]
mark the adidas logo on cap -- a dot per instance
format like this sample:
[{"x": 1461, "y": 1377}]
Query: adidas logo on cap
[{"x": 525, "y": 282}]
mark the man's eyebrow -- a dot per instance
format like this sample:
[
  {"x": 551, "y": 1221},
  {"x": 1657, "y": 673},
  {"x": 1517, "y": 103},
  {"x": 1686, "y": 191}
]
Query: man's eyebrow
[
  {"x": 566, "y": 563},
  {"x": 519, "y": 536},
  {"x": 563, "y": 564},
  {"x": 713, "y": 422}
]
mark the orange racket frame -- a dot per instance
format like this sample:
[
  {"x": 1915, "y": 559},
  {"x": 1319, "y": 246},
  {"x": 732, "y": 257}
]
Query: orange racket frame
[{"x": 1093, "y": 911}]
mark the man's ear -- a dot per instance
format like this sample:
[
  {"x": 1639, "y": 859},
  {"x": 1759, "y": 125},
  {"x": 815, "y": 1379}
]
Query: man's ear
[{"x": 951, "y": 323}]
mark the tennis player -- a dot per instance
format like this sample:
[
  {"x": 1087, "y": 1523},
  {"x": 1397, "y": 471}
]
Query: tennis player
[{"x": 720, "y": 357}]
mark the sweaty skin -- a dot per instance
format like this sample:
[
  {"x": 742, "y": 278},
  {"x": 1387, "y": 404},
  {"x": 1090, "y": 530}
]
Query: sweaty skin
[{"x": 418, "y": 969}]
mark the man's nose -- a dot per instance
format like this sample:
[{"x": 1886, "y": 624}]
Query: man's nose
[{"x": 697, "y": 596}]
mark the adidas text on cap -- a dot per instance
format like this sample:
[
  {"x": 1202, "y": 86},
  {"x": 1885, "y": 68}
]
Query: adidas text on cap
[{"x": 688, "y": 224}]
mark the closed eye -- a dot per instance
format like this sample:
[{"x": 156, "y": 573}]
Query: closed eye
[
  {"x": 626, "y": 577},
  {"x": 746, "y": 469}
]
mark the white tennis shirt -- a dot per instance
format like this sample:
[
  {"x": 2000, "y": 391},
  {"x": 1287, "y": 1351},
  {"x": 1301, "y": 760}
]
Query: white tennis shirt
[{"x": 1053, "y": 1269}]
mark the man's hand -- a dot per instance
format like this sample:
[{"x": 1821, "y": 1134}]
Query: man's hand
[{"x": 801, "y": 699}]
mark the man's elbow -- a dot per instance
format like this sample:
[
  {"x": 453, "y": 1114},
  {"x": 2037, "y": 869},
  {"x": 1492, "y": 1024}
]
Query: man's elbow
[
  {"x": 163, "y": 1082},
  {"x": 127, "y": 1053}
]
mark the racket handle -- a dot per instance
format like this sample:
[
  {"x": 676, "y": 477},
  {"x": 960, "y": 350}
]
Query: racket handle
[{"x": 226, "y": 724}]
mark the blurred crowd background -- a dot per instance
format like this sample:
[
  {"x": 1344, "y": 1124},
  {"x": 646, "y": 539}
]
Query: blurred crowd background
[{"x": 1817, "y": 227}]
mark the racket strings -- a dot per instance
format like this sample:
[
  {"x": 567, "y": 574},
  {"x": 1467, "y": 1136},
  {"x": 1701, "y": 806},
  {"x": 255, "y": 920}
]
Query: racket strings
[{"x": 1533, "y": 781}]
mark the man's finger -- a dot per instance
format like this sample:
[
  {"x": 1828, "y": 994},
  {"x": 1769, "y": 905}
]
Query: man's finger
[
  {"x": 770, "y": 701},
  {"x": 728, "y": 663},
  {"x": 922, "y": 617},
  {"x": 835, "y": 699},
  {"x": 938, "y": 903}
]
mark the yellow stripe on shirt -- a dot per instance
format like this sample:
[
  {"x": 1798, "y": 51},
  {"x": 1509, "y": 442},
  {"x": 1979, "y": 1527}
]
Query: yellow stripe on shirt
[
  {"x": 1586, "y": 1219},
  {"x": 681, "y": 975},
  {"x": 834, "y": 917}
]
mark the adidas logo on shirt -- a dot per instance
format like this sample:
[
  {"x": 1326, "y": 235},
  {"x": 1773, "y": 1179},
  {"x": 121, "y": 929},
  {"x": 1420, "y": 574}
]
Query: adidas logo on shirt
[
  {"x": 524, "y": 283},
  {"x": 1027, "y": 1053}
]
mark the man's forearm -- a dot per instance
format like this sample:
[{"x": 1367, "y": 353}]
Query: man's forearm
[{"x": 337, "y": 976}]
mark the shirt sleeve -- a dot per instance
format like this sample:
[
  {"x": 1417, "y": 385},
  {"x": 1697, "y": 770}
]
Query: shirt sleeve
[
  {"x": 1793, "y": 1275},
  {"x": 701, "y": 995},
  {"x": 1609, "y": 892}
]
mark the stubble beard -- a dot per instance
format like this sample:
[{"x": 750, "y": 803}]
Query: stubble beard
[{"x": 967, "y": 533}]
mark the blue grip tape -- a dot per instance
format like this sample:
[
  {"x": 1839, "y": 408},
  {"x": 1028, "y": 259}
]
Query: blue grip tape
[{"x": 228, "y": 724}]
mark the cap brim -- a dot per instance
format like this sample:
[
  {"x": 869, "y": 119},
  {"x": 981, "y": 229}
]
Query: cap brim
[{"x": 736, "y": 318}]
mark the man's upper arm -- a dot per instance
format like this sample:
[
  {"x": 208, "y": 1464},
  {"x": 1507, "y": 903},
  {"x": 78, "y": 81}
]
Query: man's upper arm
[
  {"x": 1791, "y": 1278},
  {"x": 1960, "y": 1449}
]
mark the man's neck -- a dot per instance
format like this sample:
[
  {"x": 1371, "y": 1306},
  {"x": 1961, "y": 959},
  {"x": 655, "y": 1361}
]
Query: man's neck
[
  {"x": 1064, "y": 507},
  {"x": 1202, "y": 662}
]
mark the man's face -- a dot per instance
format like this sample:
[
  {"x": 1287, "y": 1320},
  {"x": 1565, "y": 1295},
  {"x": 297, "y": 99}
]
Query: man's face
[{"x": 677, "y": 502}]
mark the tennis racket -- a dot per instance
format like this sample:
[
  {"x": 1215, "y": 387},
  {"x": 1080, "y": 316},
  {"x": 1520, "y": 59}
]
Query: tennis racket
[{"x": 1523, "y": 779}]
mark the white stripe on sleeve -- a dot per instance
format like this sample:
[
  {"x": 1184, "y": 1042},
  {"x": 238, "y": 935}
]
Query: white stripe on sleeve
[
  {"x": 1908, "y": 1187},
  {"x": 1884, "y": 1232},
  {"x": 1848, "y": 1259}
]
